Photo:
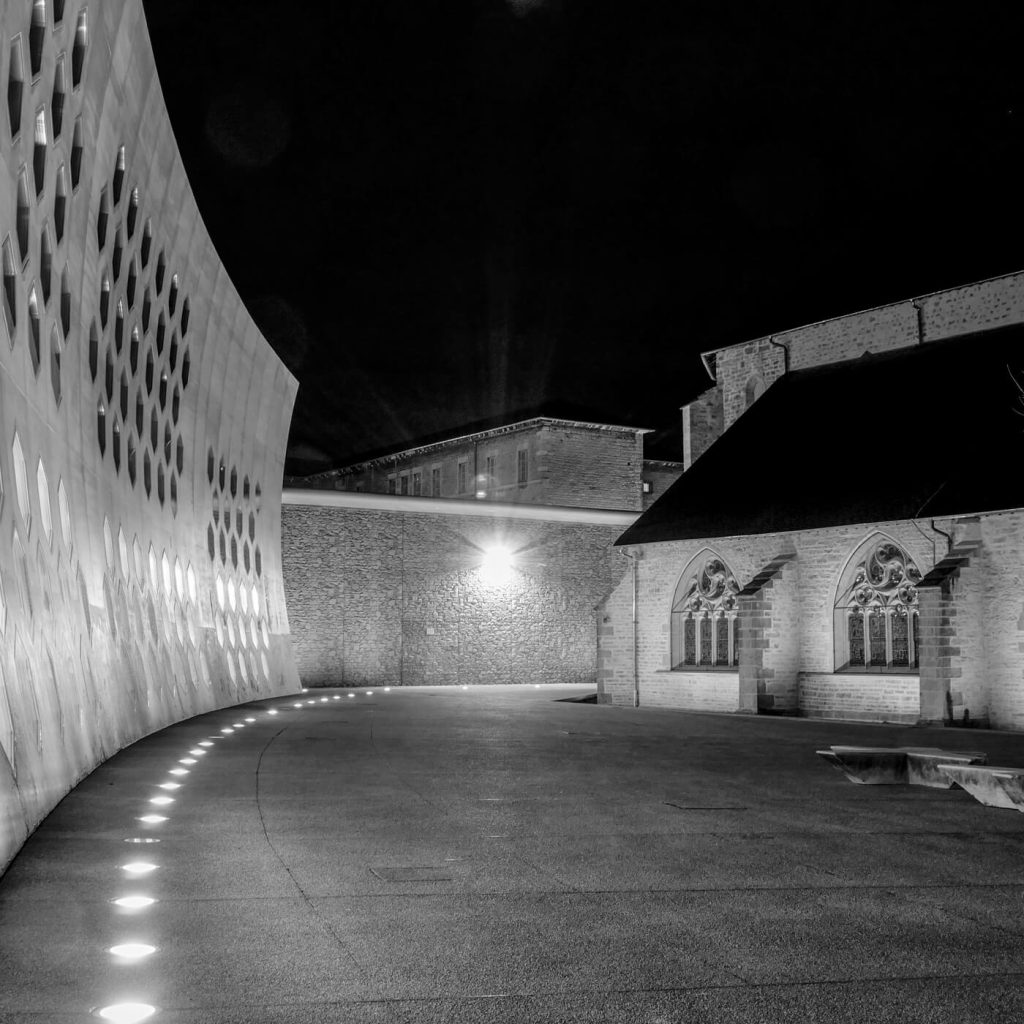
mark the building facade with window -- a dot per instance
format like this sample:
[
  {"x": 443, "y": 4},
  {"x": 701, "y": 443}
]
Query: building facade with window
[
  {"x": 536, "y": 459},
  {"x": 848, "y": 538}
]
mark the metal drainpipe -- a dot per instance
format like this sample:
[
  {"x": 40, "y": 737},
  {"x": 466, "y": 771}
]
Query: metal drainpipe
[
  {"x": 785, "y": 352},
  {"x": 916, "y": 303},
  {"x": 636, "y": 667}
]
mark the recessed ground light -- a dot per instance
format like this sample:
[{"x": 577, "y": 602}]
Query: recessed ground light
[
  {"x": 465, "y": 687},
  {"x": 351, "y": 694},
  {"x": 387, "y": 689},
  {"x": 250, "y": 719},
  {"x": 305, "y": 690},
  {"x": 205, "y": 743},
  {"x": 369, "y": 693},
  {"x": 134, "y": 902},
  {"x": 310, "y": 701},
  {"x": 132, "y": 950},
  {"x": 138, "y": 867},
  {"x": 297, "y": 704},
  {"x": 146, "y": 839},
  {"x": 179, "y": 771},
  {"x": 155, "y": 819},
  {"x": 189, "y": 760},
  {"x": 169, "y": 785},
  {"x": 536, "y": 686},
  {"x": 161, "y": 801},
  {"x": 238, "y": 725},
  {"x": 323, "y": 700},
  {"x": 271, "y": 712},
  {"x": 196, "y": 752},
  {"x": 227, "y": 730},
  {"x": 126, "y": 1013},
  {"x": 337, "y": 696}
]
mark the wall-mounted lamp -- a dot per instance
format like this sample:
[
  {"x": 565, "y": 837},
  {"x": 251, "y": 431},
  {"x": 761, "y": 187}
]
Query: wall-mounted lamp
[{"x": 496, "y": 565}]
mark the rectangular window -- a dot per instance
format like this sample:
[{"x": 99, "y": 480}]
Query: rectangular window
[
  {"x": 648, "y": 487},
  {"x": 403, "y": 483},
  {"x": 391, "y": 485},
  {"x": 490, "y": 469},
  {"x": 417, "y": 482},
  {"x": 435, "y": 481},
  {"x": 522, "y": 466},
  {"x": 462, "y": 478}
]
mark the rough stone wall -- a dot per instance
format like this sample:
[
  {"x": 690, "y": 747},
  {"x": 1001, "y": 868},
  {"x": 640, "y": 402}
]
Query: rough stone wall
[
  {"x": 575, "y": 466},
  {"x": 863, "y": 697},
  {"x": 703, "y": 423},
  {"x": 393, "y": 597},
  {"x": 615, "y": 645},
  {"x": 591, "y": 469},
  {"x": 786, "y": 635},
  {"x": 769, "y": 638},
  {"x": 142, "y": 422},
  {"x": 982, "y": 305},
  {"x": 661, "y": 477}
]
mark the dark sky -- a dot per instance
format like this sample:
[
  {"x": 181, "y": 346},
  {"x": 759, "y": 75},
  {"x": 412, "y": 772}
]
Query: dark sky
[{"x": 440, "y": 210}]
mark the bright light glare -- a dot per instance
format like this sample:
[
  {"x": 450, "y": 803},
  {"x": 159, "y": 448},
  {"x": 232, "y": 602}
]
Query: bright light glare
[
  {"x": 161, "y": 801},
  {"x": 496, "y": 565},
  {"x": 138, "y": 867},
  {"x": 155, "y": 819},
  {"x": 127, "y": 1013},
  {"x": 132, "y": 950},
  {"x": 305, "y": 690},
  {"x": 134, "y": 902},
  {"x": 179, "y": 771}
]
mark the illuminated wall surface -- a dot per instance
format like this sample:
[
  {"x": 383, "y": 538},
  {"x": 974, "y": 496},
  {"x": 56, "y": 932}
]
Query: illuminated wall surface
[
  {"x": 398, "y": 590},
  {"x": 142, "y": 421}
]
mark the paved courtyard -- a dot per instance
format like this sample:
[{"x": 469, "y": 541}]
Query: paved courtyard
[{"x": 508, "y": 854}]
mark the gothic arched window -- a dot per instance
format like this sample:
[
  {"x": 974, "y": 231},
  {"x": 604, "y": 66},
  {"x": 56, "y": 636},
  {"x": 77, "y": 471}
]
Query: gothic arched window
[
  {"x": 876, "y": 616},
  {"x": 704, "y": 608}
]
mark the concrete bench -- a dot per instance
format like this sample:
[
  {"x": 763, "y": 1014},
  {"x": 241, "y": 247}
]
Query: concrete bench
[
  {"x": 893, "y": 766},
  {"x": 992, "y": 786}
]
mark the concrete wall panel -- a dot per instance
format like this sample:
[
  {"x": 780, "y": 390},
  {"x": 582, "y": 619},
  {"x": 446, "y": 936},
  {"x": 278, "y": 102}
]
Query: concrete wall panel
[{"x": 126, "y": 359}]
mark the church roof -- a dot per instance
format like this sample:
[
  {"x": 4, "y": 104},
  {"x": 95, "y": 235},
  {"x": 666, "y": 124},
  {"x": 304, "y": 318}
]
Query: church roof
[{"x": 933, "y": 430}]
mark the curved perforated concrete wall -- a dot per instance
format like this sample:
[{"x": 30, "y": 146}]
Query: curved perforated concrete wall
[{"x": 142, "y": 421}]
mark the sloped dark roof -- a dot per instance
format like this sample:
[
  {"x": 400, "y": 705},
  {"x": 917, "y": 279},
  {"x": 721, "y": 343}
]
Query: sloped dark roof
[{"x": 932, "y": 430}]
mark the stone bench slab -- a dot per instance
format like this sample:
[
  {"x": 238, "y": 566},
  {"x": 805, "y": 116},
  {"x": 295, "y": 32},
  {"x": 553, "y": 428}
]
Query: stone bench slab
[
  {"x": 990, "y": 785},
  {"x": 893, "y": 766}
]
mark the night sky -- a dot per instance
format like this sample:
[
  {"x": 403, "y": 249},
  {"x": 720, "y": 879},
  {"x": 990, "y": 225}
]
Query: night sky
[{"x": 439, "y": 211}]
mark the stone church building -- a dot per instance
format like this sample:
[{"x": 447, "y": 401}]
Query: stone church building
[{"x": 847, "y": 540}]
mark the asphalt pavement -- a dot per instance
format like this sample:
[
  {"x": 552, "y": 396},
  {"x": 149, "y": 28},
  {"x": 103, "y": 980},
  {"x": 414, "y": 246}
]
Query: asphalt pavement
[{"x": 506, "y": 854}]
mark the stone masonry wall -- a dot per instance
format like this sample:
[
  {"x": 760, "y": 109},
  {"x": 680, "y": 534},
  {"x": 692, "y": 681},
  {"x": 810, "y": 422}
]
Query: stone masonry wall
[
  {"x": 703, "y": 424},
  {"x": 397, "y": 598},
  {"x": 590, "y": 468},
  {"x": 980, "y": 306},
  {"x": 794, "y": 627}
]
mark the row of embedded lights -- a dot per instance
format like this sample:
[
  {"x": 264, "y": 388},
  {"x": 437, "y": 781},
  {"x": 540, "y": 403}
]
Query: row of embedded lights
[{"x": 133, "y": 952}]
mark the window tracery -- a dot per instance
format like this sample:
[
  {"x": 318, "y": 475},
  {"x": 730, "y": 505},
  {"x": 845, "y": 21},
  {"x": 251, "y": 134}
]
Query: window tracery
[
  {"x": 876, "y": 614},
  {"x": 704, "y": 613}
]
